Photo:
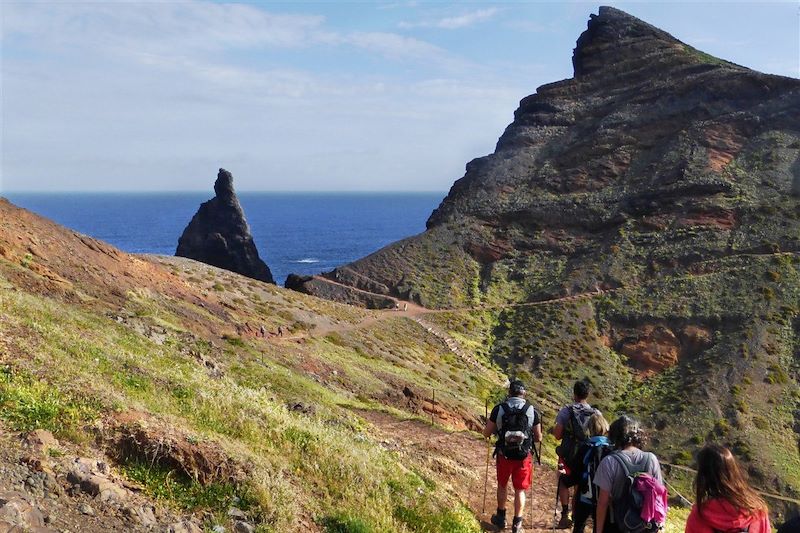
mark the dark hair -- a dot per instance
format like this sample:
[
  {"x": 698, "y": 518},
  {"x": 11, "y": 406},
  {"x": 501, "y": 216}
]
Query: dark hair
[
  {"x": 719, "y": 476},
  {"x": 516, "y": 388},
  {"x": 625, "y": 431},
  {"x": 581, "y": 390}
]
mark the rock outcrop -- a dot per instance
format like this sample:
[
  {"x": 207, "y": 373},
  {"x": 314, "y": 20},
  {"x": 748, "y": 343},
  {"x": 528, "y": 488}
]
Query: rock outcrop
[
  {"x": 651, "y": 137},
  {"x": 220, "y": 236},
  {"x": 637, "y": 224}
]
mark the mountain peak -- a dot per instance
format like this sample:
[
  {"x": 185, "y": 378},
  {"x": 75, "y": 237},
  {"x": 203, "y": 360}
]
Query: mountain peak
[{"x": 613, "y": 37}]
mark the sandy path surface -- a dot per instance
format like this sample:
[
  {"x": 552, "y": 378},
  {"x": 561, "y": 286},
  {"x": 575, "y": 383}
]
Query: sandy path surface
[{"x": 417, "y": 439}]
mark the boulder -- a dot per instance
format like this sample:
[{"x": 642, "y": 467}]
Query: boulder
[{"x": 219, "y": 235}]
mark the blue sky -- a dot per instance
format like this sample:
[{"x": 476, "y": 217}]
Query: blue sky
[{"x": 304, "y": 95}]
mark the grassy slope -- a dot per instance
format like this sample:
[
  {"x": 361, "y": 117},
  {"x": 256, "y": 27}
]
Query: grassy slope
[{"x": 69, "y": 367}]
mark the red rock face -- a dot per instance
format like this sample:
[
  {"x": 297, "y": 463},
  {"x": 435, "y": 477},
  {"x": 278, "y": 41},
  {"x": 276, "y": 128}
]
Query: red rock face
[
  {"x": 652, "y": 348},
  {"x": 490, "y": 252},
  {"x": 655, "y": 349},
  {"x": 723, "y": 142}
]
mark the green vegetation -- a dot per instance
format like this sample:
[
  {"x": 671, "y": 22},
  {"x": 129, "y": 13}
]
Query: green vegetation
[{"x": 75, "y": 366}]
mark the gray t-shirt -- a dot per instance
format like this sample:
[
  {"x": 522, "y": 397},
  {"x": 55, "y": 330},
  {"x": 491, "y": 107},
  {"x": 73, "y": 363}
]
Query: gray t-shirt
[
  {"x": 610, "y": 475},
  {"x": 563, "y": 415},
  {"x": 515, "y": 402}
]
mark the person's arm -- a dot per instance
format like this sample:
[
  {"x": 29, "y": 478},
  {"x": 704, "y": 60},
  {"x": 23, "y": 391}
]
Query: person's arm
[
  {"x": 491, "y": 423},
  {"x": 537, "y": 433},
  {"x": 602, "y": 510},
  {"x": 558, "y": 429}
]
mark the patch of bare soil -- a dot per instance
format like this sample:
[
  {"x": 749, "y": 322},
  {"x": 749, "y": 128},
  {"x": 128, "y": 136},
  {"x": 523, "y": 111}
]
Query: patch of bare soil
[{"x": 462, "y": 457}]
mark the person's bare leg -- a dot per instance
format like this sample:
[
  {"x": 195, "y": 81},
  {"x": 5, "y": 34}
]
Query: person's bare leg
[
  {"x": 563, "y": 496},
  {"x": 519, "y": 503},
  {"x": 563, "y": 493},
  {"x": 502, "y": 494}
]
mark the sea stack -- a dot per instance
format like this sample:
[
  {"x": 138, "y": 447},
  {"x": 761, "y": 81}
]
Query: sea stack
[{"x": 219, "y": 235}]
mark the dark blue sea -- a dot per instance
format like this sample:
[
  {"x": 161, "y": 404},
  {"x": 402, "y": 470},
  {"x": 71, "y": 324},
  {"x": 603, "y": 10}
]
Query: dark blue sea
[{"x": 302, "y": 233}]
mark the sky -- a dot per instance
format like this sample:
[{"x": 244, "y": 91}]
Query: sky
[{"x": 304, "y": 96}]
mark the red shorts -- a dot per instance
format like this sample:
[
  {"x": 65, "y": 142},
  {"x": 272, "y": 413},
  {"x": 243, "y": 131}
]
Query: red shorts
[{"x": 519, "y": 470}]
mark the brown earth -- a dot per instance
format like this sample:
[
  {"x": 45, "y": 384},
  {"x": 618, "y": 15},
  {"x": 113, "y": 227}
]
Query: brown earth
[{"x": 462, "y": 456}]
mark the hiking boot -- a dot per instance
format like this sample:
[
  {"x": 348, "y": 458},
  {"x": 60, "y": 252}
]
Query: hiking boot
[
  {"x": 499, "y": 519},
  {"x": 565, "y": 522},
  {"x": 516, "y": 527}
]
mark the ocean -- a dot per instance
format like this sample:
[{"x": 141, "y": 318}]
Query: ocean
[{"x": 301, "y": 233}]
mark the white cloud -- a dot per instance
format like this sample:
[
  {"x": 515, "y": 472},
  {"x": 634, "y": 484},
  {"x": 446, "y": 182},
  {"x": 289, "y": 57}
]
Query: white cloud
[
  {"x": 456, "y": 22},
  {"x": 159, "y": 95},
  {"x": 163, "y": 25}
]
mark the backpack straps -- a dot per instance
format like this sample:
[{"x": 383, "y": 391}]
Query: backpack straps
[{"x": 628, "y": 464}]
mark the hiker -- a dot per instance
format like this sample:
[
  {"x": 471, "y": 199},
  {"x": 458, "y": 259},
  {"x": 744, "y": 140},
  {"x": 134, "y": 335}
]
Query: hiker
[
  {"x": 280, "y": 331},
  {"x": 397, "y": 306},
  {"x": 405, "y": 307},
  {"x": 570, "y": 429},
  {"x": 263, "y": 331},
  {"x": 518, "y": 427},
  {"x": 591, "y": 453},
  {"x": 615, "y": 498},
  {"x": 724, "y": 501}
]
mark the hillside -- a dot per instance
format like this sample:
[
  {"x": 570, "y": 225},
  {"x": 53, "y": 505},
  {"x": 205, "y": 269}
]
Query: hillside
[
  {"x": 660, "y": 186},
  {"x": 157, "y": 368}
]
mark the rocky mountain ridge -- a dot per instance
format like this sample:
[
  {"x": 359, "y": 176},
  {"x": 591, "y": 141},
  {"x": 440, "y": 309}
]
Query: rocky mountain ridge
[{"x": 660, "y": 185}]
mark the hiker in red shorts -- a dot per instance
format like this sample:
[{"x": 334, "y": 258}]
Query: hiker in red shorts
[{"x": 517, "y": 426}]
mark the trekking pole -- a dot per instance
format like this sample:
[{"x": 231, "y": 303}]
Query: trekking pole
[
  {"x": 486, "y": 476},
  {"x": 538, "y": 453},
  {"x": 555, "y": 511}
]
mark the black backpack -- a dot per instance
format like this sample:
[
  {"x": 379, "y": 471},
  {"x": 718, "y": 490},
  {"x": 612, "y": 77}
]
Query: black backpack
[
  {"x": 515, "y": 440},
  {"x": 627, "y": 509},
  {"x": 575, "y": 434}
]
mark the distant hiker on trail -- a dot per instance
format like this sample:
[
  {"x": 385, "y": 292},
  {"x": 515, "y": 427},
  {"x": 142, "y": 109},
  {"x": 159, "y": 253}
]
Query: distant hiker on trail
[
  {"x": 622, "y": 505},
  {"x": 405, "y": 306},
  {"x": 263, "y": 331},
  {"x": 280, "y": 331},
  {"x": 723, "y": 499},
  {"x": 518, "y": 427},
  {"x": 570, "y": 429},
  {"x": 591, "y": 453},
  {"x": 397, "y": 306}
]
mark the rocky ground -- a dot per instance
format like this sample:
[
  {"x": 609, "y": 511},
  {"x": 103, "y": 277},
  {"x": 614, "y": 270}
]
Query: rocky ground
[{"x": 45, "y": 487}]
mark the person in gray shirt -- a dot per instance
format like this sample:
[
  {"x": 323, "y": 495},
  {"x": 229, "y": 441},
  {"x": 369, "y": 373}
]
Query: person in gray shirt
[
  {"x": 518, "y": 469},
  {"x": 627, "y": 437}
]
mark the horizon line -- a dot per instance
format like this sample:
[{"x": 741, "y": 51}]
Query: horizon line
[{"x": 243, "y": 191}]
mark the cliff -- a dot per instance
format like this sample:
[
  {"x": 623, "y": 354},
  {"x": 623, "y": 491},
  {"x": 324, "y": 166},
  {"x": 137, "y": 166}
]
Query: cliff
[{"x": 637, "y": 224}]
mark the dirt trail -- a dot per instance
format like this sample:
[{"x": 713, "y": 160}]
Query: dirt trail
[{"x": 464, "y": 454}]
